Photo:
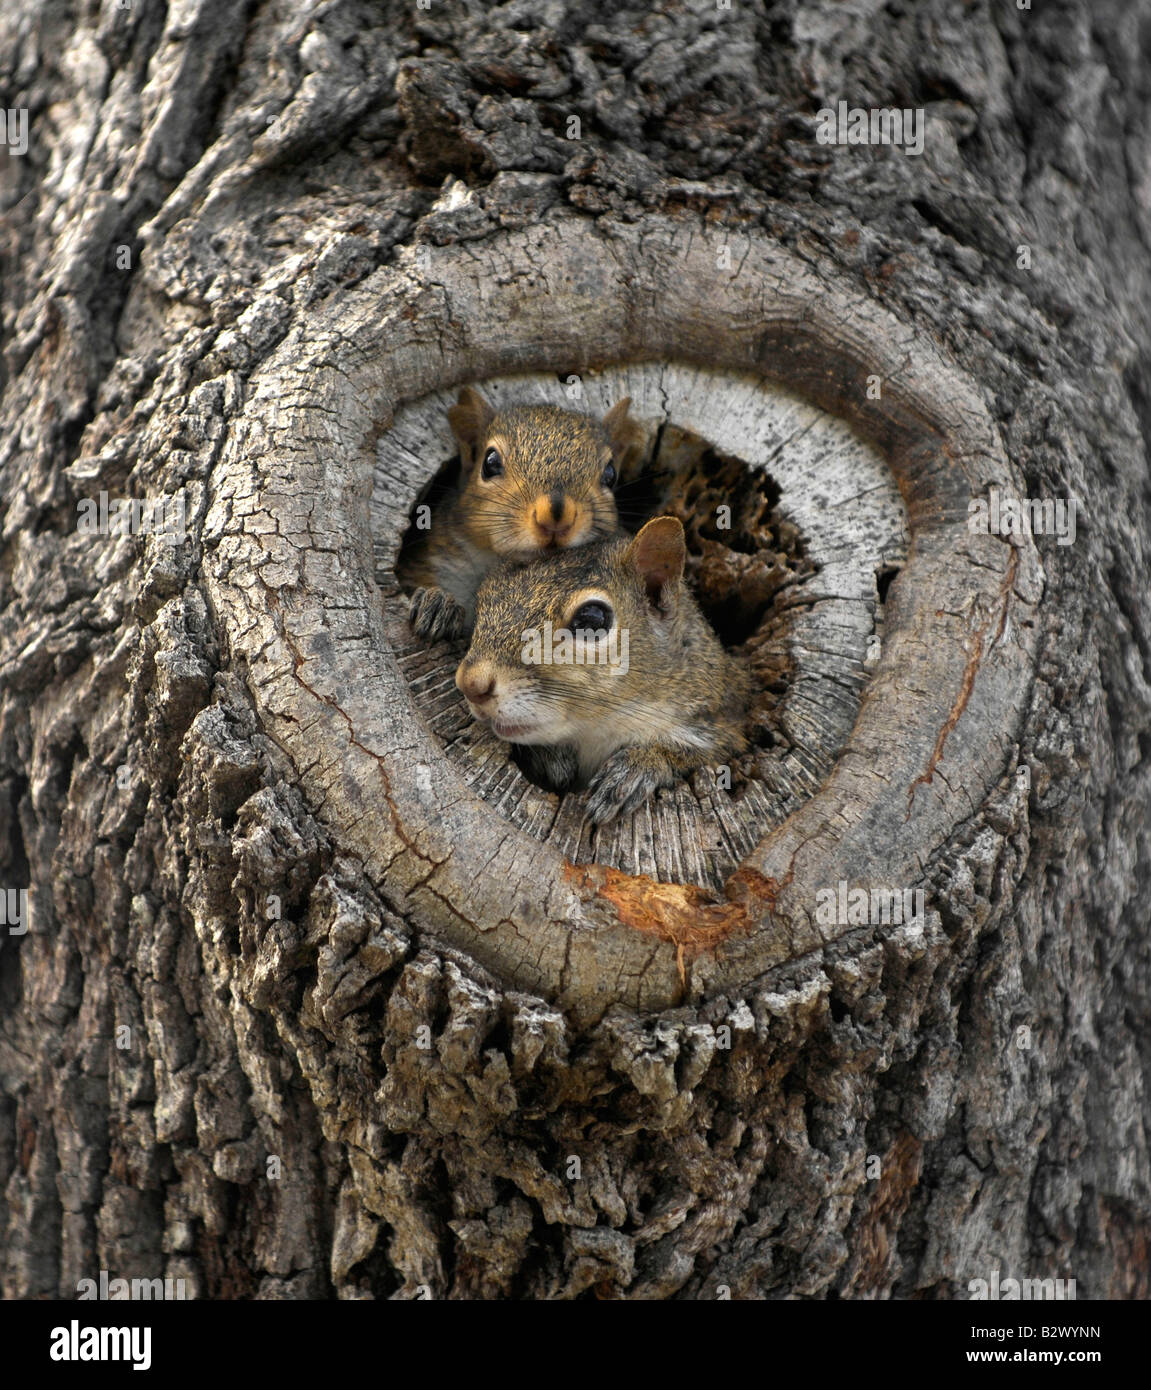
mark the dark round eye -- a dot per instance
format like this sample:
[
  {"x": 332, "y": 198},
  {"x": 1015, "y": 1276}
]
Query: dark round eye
[
  {"x": 607, "y": 477},
  {"x": 594, "y": 615},
  {"x": 492, "y": 466}
]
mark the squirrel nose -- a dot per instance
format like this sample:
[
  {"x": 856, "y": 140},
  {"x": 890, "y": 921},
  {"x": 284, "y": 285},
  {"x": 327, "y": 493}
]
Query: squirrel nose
[
  {"x": 552, "y": 514},
  {"x": 476, "y": 680}
]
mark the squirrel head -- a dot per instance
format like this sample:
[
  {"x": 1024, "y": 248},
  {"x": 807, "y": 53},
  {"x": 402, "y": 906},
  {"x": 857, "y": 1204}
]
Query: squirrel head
[
  {"x": 581, "y": 646},
  {"x": 537, "y": 478}
]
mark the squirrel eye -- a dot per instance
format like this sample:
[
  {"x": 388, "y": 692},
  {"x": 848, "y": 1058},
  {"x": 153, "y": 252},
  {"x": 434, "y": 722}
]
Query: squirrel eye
[
  {"x": 491, "y": 467},
  {"x": 607, "y": 478},
  {"x": 594, "y": 615}
]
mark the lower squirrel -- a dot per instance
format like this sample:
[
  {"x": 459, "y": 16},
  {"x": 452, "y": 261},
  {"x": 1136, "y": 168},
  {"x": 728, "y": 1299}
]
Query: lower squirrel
[
  {"x": 534, "y": 480},
  {"x": 600, "y": 664}
]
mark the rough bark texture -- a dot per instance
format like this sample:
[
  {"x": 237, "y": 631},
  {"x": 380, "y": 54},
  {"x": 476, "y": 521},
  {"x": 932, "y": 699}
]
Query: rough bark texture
[{"x": 248, "y": 1040}]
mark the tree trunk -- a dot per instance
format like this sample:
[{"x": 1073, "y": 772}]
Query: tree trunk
[{"x": 307, "y": 990}]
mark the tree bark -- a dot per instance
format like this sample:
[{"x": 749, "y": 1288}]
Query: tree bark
[{"x": 307, "y": 992}]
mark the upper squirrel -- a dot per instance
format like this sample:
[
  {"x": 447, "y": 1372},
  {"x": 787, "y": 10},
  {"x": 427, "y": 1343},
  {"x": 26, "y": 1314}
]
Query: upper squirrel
[
  {"x": 599, "y": 661},
  {"x": 534, "y": 480}
]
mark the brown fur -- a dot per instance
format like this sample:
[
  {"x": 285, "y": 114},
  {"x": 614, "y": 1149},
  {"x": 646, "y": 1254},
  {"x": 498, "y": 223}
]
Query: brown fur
[
  {"x": 550, "y": 497},
  {"x": 680, "y": 704}
]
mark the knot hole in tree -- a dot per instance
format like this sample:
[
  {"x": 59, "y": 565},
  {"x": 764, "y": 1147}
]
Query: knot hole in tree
[
  {"x": 794, "y": 531},
  {"x": 899, "y": 643}
]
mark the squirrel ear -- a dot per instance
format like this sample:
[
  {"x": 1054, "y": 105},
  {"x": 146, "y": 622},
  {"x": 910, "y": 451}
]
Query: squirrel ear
[
  {"x": 657, "y": 555},
  {"x": 620, "y": 430},
  {"x": 470, "y": 418}
]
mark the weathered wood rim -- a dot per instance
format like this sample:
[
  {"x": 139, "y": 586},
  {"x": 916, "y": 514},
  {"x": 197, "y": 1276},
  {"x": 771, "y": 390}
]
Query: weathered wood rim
[{"x": 290, "y": 574}]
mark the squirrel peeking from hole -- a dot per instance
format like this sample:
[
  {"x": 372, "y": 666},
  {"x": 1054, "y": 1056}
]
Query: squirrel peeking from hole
[
  {"x": 534, "y": 479},
  {"x": 588, "y": 652}
]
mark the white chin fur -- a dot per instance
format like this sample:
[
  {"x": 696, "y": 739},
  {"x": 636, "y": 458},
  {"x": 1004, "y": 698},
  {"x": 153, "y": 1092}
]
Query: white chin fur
[
  {"x": 525, "y": 728},
  {"x": 531, "y": 736}
]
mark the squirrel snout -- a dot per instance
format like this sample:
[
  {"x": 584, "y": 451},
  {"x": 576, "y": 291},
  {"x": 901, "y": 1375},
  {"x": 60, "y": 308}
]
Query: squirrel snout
[
  {"x": 554, "y": 514},
  {"x": 476, "y": 681}
]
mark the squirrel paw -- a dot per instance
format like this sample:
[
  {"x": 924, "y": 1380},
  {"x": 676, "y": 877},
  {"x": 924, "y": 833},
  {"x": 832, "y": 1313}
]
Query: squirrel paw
[
  {"x": 625, "y": 782},
  {"x": 555, "y": 764},
  {"x": 436, "y": 616}
]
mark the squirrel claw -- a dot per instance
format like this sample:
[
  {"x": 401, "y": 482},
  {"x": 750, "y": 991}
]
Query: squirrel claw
[
  {"x": 623, "y": 784},
  {"x": 436, "y": 616}
]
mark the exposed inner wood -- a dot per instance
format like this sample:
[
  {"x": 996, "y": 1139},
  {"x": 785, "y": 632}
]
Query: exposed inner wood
[{"x": 788, "y": 577}]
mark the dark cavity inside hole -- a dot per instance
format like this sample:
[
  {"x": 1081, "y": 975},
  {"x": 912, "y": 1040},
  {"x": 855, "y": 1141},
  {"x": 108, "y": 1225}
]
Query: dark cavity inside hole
[{"x": 883, "y": 578}]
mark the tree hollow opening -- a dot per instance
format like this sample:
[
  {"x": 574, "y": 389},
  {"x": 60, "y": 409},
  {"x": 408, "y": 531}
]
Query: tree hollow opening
[{"x": 777, "y": 561}]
